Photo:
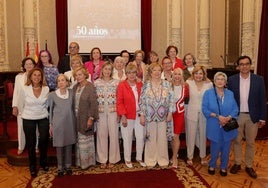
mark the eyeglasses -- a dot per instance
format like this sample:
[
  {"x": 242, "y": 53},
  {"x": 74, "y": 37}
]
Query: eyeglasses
[
  {"x": 72, "y": 47},
  {"x": 167, "y": 63},
  {"x": 244, "y": 64}
]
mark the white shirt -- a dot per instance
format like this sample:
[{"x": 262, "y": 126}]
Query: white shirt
[{"x": 244, "y": 92}]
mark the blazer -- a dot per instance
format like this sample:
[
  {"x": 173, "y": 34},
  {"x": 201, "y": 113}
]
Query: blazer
[
  {"x": 64, "y": 65},
  {"x": 227, "y": 107},
  {"x": 88, "y": 107},
  {"x": 126, "y": 104},
  {"x": 257, "y": 96}
]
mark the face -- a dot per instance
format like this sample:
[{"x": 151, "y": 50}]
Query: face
[
  {"x": 131, "y": 76},
  {"x": 36, "y": 77},
  {"x": 172, "y": 53},
  {"x": 167, "y": 64},
  {"x": 153, "y": 58},
  {"x": 177, "y": 75},
  {"x": 28, "y": 65},
  {"x": 139, "y": 57},
  {"x": 79, "y": 76},
  {"x": 198, "y": 76},
  {"x": 119, "y": 64},
  {"x": 96, "y": 54},
  {"x": 125, "y": 55},
  {"x": 75, "y": 64},
  {"x": 156, "y": 72},
  {"x": 73, "y": 48},
  {"x": 244, "y": 66},
  {"x": 220, "y": 81},
  {"x": 189, "y": 60},
  {"x": 44, "y": 57},
  {"x": 107, "y": 71},
  {"x": 62, "y": 82}
]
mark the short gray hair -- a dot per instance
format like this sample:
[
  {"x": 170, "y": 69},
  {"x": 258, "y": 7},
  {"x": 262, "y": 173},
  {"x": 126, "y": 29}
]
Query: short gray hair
[{"x": 220, "y": 74}]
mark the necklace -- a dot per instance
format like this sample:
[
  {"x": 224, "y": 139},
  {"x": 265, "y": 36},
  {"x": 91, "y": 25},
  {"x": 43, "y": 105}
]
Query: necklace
[{"x": 156, "y": 91}]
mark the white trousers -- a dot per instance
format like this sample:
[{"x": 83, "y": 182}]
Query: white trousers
[
  {"x": 127, "y": 135},
  {"x": 156, "y": 145},
  {"x": 107, "y": 128},
  {"x": 196, "y": 135}
]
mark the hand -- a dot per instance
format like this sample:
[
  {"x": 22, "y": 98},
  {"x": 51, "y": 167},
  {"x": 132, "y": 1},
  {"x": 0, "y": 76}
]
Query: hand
[
  {"x": 169, "y": 117},
  {"x": 142, "y": 120},
  {"x": 15, "y": 111},
  {"x": 51, "y": 130},
  {"x": 89, "y": 123},
  {"x": 124, "y": 121},
  {"x": 261, "y": 124}
]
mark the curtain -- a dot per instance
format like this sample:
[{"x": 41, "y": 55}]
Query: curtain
[
  {"x": 146, "y": 25},
  {"x": 262, "y": 64},
  {"x": 61, "y": 26}
]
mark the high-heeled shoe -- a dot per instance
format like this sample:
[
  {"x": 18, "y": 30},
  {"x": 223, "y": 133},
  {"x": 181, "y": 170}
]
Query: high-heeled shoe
[{"x": 19, "y": 152}]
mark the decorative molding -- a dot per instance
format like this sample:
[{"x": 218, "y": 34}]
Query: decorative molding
[
  {"x": 3, "y": 38},
  {"x": 204, "y": 46},
  {"x": 248, "y": 35}
]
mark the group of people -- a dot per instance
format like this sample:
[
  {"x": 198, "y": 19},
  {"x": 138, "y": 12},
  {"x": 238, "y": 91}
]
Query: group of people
[{"x": 96, "y": 100}]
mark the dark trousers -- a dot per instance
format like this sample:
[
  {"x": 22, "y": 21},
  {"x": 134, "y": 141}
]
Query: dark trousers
[{"x": 29, "y": 127}]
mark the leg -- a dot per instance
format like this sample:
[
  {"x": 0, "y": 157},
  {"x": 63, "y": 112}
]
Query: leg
[
  {"x": 225, "y": 151},
  {"x": 127, "y": 134},
  {"x": 102, "y": 139},
  {"x": 150, "y": 153},
  {"x": 202, "y": 136},
  {"x": 175, "y": 149},
  {"x": 214, "y": 153},
  {"x": 114, "y": 151},
  {"x": 140, "y": 135},
  {"x": 21, "y": 135},
  {"x": 162, "y": 144},
  {"x": 191, "y": 135},
  {"x": 59, "y": 151},
  {"x": 43, "y": 127},
  {"x": 68, "y": 159}
]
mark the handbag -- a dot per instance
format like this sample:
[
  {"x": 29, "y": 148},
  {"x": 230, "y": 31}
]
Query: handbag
[{"x": 232, "y": 123}]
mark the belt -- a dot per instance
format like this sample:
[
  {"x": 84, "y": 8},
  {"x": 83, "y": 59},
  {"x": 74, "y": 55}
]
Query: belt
[{"x": 244, "y": 112}]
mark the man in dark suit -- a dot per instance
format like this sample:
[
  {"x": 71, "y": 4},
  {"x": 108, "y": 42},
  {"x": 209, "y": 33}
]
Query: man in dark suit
[
  {"x": 249, "y": 92},
  {"x": 65, "y": 61}
]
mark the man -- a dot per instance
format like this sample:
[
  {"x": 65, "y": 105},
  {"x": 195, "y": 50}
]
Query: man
[
  {"x": 65, "y": 62},
  {"x": 249, "y": 92}
]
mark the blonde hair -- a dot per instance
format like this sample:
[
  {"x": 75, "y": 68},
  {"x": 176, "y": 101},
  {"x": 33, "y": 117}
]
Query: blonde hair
[
  {"x": 107, "y": 63},
  {"x": 150, "y": 69},
  {"x": 131, "y": 68},
  {"x": 66, "y": 78},
  {"x": 198, "y": 68},
  {"x": 137, "y": 52},
  {"x": 83, "y": 70},
  {"x": 77, "y": 57}
]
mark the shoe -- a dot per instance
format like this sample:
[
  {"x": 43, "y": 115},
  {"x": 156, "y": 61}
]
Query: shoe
[
  {"x": 223, "y": 172},
  {"x": 251, "y": 172},
  {"x": 103, "y": 165},
  {"x": 36, "y": 151},
  {"x": 204, "y": 162},
  {"x": 111, "y": 165},
  {"x": 211, "y": 170},
  {"x": 69, "y": 171},
  {"x": 190, "y": 162},
  {"x": 141, "y": 163},
  {"x": 19, "y": 152},
  {"x": 33, "y": 173},
  {"x": 164, "y": 167},
  {"x": 45, "y": 168},
  {"x": 235, "y": 168},
  {"x": 129, "y": 164},
  {"x": 60, "y": 173}
]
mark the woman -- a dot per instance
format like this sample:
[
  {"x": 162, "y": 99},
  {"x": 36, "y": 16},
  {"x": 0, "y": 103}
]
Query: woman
[
  {"x": 76, "y": 61},
  {"x": 172, "y": 52},
  {"x": 86, "y": 111},
  {"x": 27, "y": 65},
  {"x": 62, "y": 125},
  {"x": 126, "y": 55},
  {"x": 141, "y": 66},
  {"x": 50, "y": 70},
  {"x": 156, "y": 107},
  {"x": 196, "y": 122},
  {"x": 219, "y": 106},
  {"x": 181, "y": 92},
  {"x": 119, "y": 69},
  {"x": 107, "y": 127},
  {"x": 128, "y": 94},
  {"x": 167, "y": 69},
  {"x": 189, "y": 62},
  {"x": 152, "y": 57},
  {"x": 34, "y": 114},
  {"x": 94, "y": 65}
]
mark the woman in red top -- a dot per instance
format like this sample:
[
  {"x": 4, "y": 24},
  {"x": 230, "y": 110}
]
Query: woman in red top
[
  {"x": 181, "y": 91},
  {"x": 128, "y": 95},
  {"x": 172, "y": 52}
]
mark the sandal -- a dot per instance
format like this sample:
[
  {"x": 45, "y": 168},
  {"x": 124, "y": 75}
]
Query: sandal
[
  {"x": 111, "y": 165},
  {"x": 190, "y": 162},
  {"x": 204, "y": 161},
  {"x": 103, "y": 165},
  {"x": 19, "y": 152}
]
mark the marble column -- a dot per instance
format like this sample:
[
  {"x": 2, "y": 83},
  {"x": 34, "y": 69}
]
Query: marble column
[
  {"x": 204, "y": 35},
  {"x": 28, "y": 24},
  {"x": 176, "y": 17},
  {"x": 3, "y": 42},
  {"x": 248, "y": 28}
]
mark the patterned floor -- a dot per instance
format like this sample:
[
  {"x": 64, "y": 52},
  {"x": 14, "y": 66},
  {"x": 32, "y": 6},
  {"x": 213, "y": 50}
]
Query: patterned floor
[{"x": 18, "y": 177}]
